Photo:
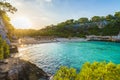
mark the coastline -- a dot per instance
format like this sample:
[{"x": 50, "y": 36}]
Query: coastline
[{"x": 27, "y": 41}]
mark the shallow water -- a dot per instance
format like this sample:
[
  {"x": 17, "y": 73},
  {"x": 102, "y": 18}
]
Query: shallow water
[{"x": 50, "y": 56}]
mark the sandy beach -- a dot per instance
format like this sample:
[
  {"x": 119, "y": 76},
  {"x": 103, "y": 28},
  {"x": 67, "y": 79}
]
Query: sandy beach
[{"x": 35, "y": 41}]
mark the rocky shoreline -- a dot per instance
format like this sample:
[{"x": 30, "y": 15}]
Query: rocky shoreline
[
  {"x": 104, "y": 38},
  {"x": 30, "y": 40},
  {"x": 17, "y": 69}
]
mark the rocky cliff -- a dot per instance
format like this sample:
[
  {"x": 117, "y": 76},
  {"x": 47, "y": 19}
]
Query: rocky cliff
[
  {"x": 16, "y": 69},
  {"x": 3, "y": 31}
]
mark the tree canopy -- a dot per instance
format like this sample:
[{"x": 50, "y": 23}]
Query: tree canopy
[
  {"x": 90, "y": 71},
  {"x": 117, "y": 14},
  {"x": 96, "y": 18},
  {"x": 83, "y": 20},
  {"x": 4, "y": 8},
  {"x": 7, "y": 7}
]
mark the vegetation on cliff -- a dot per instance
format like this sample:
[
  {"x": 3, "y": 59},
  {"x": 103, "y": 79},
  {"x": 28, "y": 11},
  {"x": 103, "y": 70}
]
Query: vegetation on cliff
[
  {"x": 4, "y": 8},
  {"x": 90, "y": 71},
  {"x": 4, "y": 49},
  {"x": 8, "y": 28}
]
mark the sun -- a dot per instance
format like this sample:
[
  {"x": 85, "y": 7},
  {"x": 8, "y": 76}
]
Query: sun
[{"x": 21, "y": 23}]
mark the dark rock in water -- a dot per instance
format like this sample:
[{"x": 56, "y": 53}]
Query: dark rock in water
[
  {"x": 21, "y": 70},
  {"x": 13, "y": 49}
]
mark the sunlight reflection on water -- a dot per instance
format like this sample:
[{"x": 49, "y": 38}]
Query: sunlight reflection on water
[{"x": 50, "y": 56}]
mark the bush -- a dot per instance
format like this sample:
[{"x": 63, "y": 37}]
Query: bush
[
  {"x": 65, "y": 73},
  {"x": 1, "y": 53},
  {"x": 90, "y": 71},
  {"x": 4, "y": 49}
]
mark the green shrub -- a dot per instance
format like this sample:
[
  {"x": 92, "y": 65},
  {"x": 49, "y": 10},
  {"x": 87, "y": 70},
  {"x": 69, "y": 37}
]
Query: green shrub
[
  {"x": 90, "y": 71},
  {"x": 1, "y": 53},
  {"x": 65, "y": 73},
  {"x": 4, "y": 49}
]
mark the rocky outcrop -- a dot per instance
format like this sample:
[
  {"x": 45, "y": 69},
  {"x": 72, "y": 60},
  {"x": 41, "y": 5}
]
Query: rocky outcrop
[
  {"x": 3, "y": 34},
  {"x": 100, "y": 24},
  {"x": 16, "y": 69},
  {"x": 104, "y": 38}
]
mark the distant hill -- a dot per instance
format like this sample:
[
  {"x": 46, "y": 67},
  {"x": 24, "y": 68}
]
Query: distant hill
[
  {"x": 98, "y": 25},
  {"x": 107, "y": 25}
]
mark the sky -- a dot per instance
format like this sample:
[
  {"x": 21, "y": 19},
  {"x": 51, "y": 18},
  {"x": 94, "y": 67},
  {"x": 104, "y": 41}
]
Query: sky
[{"x": 40, "y": 13}]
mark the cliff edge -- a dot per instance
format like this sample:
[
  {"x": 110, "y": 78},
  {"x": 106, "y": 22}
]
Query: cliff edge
[{"x": 17, "y": 69}]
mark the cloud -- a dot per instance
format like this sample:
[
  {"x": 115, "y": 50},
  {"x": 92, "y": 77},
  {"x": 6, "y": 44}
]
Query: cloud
[
  {"x": 48, "y": 0},
  {"x": 42, "y": 1}
]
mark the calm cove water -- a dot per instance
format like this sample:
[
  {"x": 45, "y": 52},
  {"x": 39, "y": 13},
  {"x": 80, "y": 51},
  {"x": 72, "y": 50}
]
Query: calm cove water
[{"x": 50, "y": 56}]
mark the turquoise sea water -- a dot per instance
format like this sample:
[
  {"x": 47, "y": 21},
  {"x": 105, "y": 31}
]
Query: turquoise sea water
[{"x": 50, "y": 56}]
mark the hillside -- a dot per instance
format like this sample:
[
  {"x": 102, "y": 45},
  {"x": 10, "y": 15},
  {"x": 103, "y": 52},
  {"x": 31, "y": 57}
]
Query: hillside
[
  {"x": 98, "y": 25},
  {"x": 107, "y": 25}
]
